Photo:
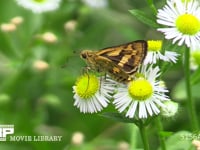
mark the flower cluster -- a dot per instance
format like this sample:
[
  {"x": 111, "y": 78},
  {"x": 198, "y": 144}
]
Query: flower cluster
[
  {"x": 146, "y": 94},
  {"x": 143, "y": 96}
]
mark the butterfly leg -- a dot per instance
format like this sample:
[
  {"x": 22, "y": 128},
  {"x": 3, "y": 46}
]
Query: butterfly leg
[{"x": 103, "y": 77}]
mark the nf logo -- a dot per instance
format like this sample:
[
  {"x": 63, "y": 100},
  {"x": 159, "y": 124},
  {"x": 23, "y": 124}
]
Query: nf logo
[{"x": 5, "y": 130}]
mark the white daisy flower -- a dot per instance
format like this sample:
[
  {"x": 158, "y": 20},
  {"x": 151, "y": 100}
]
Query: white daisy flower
[
  {"x": 39, "y": 6},
  {"x": 182, "y": 20},
  {"x": 143, "y": 96},
  {"x": 92, "y": 94},
  {"x": 96, "y": 3},
  {"x": 154, "y": 53}
]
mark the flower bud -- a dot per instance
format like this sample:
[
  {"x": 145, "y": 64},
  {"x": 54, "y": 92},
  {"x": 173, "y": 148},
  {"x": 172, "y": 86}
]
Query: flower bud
[
  {"x": 70, "y": 25},
  {"x": 8, "y": 27},
  {"x": 17, "y": 20},
  {"x": 77, "y": 138},
  {"x": 40, "y": 65},
  {"x": 170, "y": 109},
  {"x": 49, "y": 37}
]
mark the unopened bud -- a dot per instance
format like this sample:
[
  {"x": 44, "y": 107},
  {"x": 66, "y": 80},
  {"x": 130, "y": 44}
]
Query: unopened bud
[
  {"x": 196, "y": 143},
  {"x": 70, "y": 25},
  {"x": 123, "y": 145},
  {"x": 49, "y": 37},
  {"x": 40, "y": 65},
  {"x": 77, "y": 138},
  {"x": 170, "y": 109},
  {"x": 8, "y": 27},
  {"x": 17, "y": 20}
]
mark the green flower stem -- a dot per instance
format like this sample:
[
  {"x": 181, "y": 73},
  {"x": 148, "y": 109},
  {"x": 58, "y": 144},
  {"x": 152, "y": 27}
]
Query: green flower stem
[
  {"x": 134, "y": 136},
  {"x": 144, "y": 136},
  {"x": 190, "y": 100},
  {"x": 160, "y": 129}
]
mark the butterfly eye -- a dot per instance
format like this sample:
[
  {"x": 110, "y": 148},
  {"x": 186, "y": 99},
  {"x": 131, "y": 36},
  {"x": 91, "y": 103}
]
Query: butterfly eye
[{"x": 84, "y": 55}]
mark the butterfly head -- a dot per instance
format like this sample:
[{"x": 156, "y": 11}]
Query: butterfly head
[{"x": 86, "y": 54}]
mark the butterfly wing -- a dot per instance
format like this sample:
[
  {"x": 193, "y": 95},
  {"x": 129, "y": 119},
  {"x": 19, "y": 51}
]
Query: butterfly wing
[
  {"x": 106, "y": 65},
  {"x": 126, "y": 57}
]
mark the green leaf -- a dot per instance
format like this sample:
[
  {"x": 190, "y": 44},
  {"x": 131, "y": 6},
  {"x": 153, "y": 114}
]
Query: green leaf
[
  {"x": 179, "y": 140},
  {"x": 140, "y": 15},
  {"x": 152, "y": 6},
  {"x": 165, "y": 133}
]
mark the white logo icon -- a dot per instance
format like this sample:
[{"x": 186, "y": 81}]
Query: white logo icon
[{"x": 5, "y": 130}]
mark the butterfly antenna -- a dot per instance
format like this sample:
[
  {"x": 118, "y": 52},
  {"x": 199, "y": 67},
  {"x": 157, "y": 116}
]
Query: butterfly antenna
[{"x": 70, "y": 56}]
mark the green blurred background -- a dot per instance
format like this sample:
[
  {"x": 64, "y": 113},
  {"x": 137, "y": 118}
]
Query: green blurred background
[{"x": 39, "y": 101}]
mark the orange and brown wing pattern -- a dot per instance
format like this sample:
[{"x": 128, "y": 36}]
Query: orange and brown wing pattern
[
  {"x": 120, "y": 62},
  {"x": 127, "y": 56}
]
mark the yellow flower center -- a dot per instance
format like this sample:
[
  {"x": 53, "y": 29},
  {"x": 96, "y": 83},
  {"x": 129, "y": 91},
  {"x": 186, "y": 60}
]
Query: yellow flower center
[
  {"x": 87, "y": 85},
  {"x": 39, "y": 1},
  {"x": 188, "y": 24},
  {"x": 183, "y": 1},
  {"x": 140, "y": 89},
  {"x": 154, "y": 45}
]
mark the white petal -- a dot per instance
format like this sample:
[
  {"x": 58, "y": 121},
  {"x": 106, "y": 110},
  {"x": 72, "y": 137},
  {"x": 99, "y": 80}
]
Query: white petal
[
  {"x": 142, "y": 110},
  {"x": 39, "y": 7},
  {"x": 154, "y": 108},
  {"x": 171, "y": 56},
  {"x": 131, "y": 111},
  {"x": 147, "y": 103}
]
